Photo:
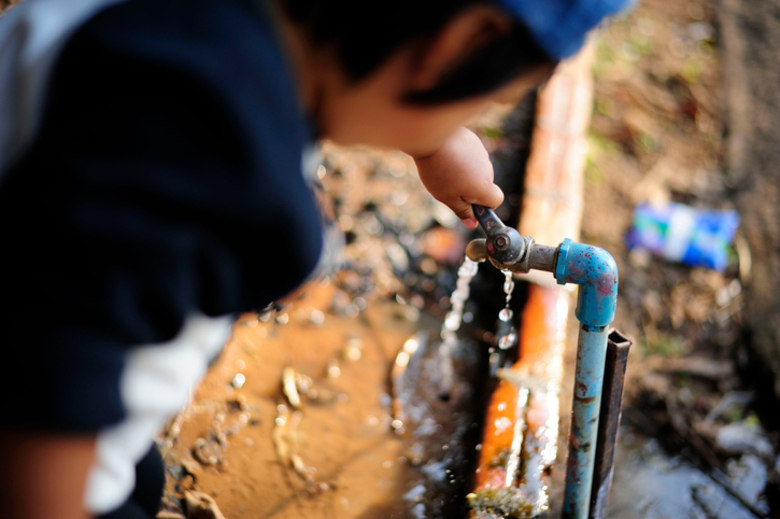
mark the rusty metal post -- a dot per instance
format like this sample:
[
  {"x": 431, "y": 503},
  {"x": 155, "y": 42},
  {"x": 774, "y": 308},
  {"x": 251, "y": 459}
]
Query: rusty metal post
[{"x": 618, "y": 347}]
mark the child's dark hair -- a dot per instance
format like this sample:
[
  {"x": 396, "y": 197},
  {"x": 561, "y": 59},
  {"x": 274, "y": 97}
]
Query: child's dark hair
[{"x": 363, "y": 35}]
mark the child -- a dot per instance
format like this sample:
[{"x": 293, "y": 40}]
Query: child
[{"x": 151, "y": 189}]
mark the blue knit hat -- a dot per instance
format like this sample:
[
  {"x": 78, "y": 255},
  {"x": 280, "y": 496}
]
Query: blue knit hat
[{"x": 560, "y": 26}]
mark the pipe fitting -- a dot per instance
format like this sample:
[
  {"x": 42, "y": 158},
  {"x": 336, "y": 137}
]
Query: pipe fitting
[
  {"x": 595, "y": 270},
  {"x": 476, "y": 250}
]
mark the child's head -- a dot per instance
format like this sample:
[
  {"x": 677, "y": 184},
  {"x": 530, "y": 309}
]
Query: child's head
[{"x": 455, "y": 50}]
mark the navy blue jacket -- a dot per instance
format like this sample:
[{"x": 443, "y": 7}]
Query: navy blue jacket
[{"x": 163, "y": 178}]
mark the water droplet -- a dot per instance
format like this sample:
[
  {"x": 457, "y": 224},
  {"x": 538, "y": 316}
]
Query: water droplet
[
  {"x": 352, "y": 353},
  {"x": 501, "y": 424},
  {"x": 509, "y": 285},
  {"x": 507, "y": 341},
  {"x": 505, "y": 315},
  {"x": 468, "y": 268},
  {"x": 452, "y": 322},
  {"x": 333, "y": 370}
]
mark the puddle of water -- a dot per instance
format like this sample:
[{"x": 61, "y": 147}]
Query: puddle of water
[{"x": 650, "y": 484}]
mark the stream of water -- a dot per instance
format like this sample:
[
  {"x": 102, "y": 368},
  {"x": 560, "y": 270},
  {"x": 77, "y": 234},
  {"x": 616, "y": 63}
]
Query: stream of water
[
  {"x": 506, "y": 333},
  {"x": 454, "y": 318}
]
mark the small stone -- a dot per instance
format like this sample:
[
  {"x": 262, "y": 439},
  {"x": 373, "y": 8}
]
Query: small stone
[
  {"x": 238, "y": 381},
  {"x": 207, "y": 452},
  {"x": 201, "y": 506},
  {"x": 317, "y": 317}
]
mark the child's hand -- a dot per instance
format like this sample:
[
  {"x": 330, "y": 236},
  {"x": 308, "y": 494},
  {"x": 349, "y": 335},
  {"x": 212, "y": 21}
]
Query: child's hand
[{"x": 460, "y": 174}]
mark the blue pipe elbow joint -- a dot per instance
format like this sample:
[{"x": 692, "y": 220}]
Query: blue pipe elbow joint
[{"x": 595, "y": 270}]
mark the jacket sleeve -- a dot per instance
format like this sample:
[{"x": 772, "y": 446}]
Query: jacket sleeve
[{"x": 146, "y": 197}]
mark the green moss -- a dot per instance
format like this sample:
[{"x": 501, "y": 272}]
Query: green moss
[
  {"x": 646, "y": 142},
  {"x": 598, "y": 147},
  {"x": 642, "y": 44},
  {"x": 501, "y": 503}
]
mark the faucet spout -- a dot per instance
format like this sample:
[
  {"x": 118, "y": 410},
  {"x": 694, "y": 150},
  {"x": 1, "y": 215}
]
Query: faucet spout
[{"x": 476, "y": 250}]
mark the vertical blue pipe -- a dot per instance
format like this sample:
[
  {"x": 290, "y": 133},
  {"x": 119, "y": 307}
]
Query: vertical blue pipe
[
  {"x": 595, "y": 271},
  {"x": 588, "y": 380}
]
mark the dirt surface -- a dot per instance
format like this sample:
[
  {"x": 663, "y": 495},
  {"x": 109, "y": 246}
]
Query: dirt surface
[
  {"x": 751, "y": 46},
  {"x": 661, "y": 132}
]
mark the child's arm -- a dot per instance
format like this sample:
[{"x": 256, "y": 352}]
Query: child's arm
[
  {"x": 43, "y": 475},
  {"x": 460, "y": 174}
]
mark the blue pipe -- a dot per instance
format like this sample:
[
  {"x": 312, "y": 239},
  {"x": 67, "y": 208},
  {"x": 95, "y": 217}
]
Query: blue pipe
[{"x": 595, "y": 271}]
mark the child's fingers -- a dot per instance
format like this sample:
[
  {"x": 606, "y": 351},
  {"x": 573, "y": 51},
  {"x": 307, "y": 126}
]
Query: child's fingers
[
  {"x": 463, "y": 211},
  {"x": 491, "y": 197}
]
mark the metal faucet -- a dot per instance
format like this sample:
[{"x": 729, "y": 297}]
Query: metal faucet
[{"x": 506, "y": 248}]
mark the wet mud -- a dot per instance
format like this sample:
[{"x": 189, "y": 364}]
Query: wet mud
[{"x": 307, "y": 414}]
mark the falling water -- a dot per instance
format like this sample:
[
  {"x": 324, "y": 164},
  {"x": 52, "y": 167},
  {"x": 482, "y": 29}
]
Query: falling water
[
  {"x": 454, "y": 318},
  {"x": 507, "y": 333},
  {"x": 458, "y": 299},
  {"x": 509, "y": 336}
]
